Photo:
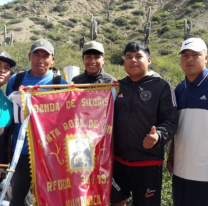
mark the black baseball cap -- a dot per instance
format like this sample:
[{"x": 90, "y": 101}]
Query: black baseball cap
[{"x": 4, "y": 56}]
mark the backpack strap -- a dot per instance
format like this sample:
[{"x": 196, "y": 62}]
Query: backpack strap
[
  {"x": 18, "y": 80},
  {"x": 56, "y": 78},
  {"x": 20, "y": 76}
]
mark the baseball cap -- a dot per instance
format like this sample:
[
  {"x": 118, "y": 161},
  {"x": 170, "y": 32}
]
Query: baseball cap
[
  {"x": 42, "y": 44},
  {"x": 195, "y": 44},
  {"x": 7, "y": 58},
  {"x": 93, "y": 45}
]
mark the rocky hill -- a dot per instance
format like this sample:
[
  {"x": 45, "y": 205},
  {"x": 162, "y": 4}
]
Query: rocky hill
[{"x": 68, "y": 20}]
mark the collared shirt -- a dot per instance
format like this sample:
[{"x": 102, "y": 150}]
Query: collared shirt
[{"x": 191, "y": 141}]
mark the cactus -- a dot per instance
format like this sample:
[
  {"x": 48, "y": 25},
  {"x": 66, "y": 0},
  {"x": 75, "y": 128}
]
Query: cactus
[
  {"x": 149, "y": 14},
  {"x": 108, "y": 12},
  {"x": 7, "y": 39},
  {"x": 187, "y": 29},
  {"x": 5, "y": 33},
  {"x": 93, "y": 28},
  {"x": 147, "y": 28},
  {"x": 11, "y": 39}
]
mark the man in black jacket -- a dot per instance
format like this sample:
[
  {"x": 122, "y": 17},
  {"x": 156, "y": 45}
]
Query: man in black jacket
[
  {"x": 146, "y": 118},
  {"x": 93, "y": 60}
]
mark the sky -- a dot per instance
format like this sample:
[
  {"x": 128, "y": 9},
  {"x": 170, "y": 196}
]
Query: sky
[{"x": 2, "y": 2}]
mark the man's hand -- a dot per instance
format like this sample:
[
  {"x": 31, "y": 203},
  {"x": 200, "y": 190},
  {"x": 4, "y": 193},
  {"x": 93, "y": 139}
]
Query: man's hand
[{"x": 151, "y": 139}]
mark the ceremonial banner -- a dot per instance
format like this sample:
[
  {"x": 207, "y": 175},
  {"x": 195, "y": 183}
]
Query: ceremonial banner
[{"x": 70, "y": 146}]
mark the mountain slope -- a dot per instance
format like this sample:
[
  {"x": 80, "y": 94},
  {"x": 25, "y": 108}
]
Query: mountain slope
[{"x": 68, "y": 20}]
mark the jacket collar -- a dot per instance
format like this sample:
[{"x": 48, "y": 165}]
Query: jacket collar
[
  {"x": 198, "y": 80},
  {"x": 95, "y": 77}
]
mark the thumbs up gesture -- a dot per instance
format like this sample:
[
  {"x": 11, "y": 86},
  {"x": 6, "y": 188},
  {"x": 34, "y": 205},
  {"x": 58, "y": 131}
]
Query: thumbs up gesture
[{"x": 151, "y": 139}]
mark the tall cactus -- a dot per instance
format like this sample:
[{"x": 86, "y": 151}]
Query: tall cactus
[
  {"x": 8, "y": 39},
  {"x": 187, "y": 29},
  {"x": 93, "y": 28},
  {"x": 5, "y": 32},
  {"x": 147, "y": 28},
  {"x": 108, "y": 12},
  {"x": 11, "y": 39}
]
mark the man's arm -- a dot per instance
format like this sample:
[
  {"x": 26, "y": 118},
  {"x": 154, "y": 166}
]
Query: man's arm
[{"x": 168, "y": 116}]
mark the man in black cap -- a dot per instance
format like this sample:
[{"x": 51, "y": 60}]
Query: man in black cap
[
  {"x": 93, "y": 60},
  {"x": 42, "y": 57},
  {"x": 6, "y": 108}
]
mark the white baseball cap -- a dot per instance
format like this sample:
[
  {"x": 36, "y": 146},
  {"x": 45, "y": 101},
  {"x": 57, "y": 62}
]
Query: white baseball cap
[{"x": 195, "y": 44}]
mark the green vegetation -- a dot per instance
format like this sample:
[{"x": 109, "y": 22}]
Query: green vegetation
[
  {"x": 60, "y": 8},
  {"x": 18, "y": 29},
  {"x": 121, "y": 21},
  {"x": 14, "y": 21},
  {"x": 53, "y": 35},
  {"x": 42, "y": 21},
  {"x": 74, "y": 20},
  {"x": 197, "y": 5},
  {"x": 36, "y": 32},
  {"x": 34, "y": 37},
  {"x": 7, "y": 6},
  {"x": 8, "y": 15},
  {"x": 138, "y": 12},
  {"x": 159, "y": 16},
  {"x": 67, "y": 23},
  {"x": 126, "y": 6}
]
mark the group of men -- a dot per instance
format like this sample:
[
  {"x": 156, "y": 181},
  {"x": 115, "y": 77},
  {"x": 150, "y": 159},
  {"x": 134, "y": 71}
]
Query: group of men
[{"x": 147, "y": 115}]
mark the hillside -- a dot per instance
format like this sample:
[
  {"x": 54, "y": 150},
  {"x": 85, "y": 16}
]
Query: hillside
[
  {"x": 29, "y": 18},
  {"x": 67, "y": 21}
]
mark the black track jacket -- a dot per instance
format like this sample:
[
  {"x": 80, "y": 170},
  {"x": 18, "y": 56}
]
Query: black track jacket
[{"x": 139, "y": 106}]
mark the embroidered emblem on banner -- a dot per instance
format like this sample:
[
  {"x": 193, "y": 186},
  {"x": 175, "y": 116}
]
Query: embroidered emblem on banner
[
  {"x": 80, "y": 153},
  {"x": 145, "y": 95}
]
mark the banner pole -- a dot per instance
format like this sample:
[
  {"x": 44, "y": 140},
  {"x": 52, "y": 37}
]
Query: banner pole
[
  {"x": 70, "y": 85},
  {"x": 4, "y": 166},
  {"x": 18, "y": 149}
]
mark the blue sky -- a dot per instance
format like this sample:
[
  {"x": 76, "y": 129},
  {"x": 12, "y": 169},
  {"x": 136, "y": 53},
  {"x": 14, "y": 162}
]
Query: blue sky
[{"x": 4, "y": 1}]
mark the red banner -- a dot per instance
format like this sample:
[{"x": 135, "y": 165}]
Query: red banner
[{"x": 70, "y": 146}]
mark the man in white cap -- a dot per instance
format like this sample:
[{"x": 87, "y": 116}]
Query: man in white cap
[
  {"x": 93, "y": 60},
  {"x": 188, "y": 157},
  {"x": 42, "y": 57}
]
